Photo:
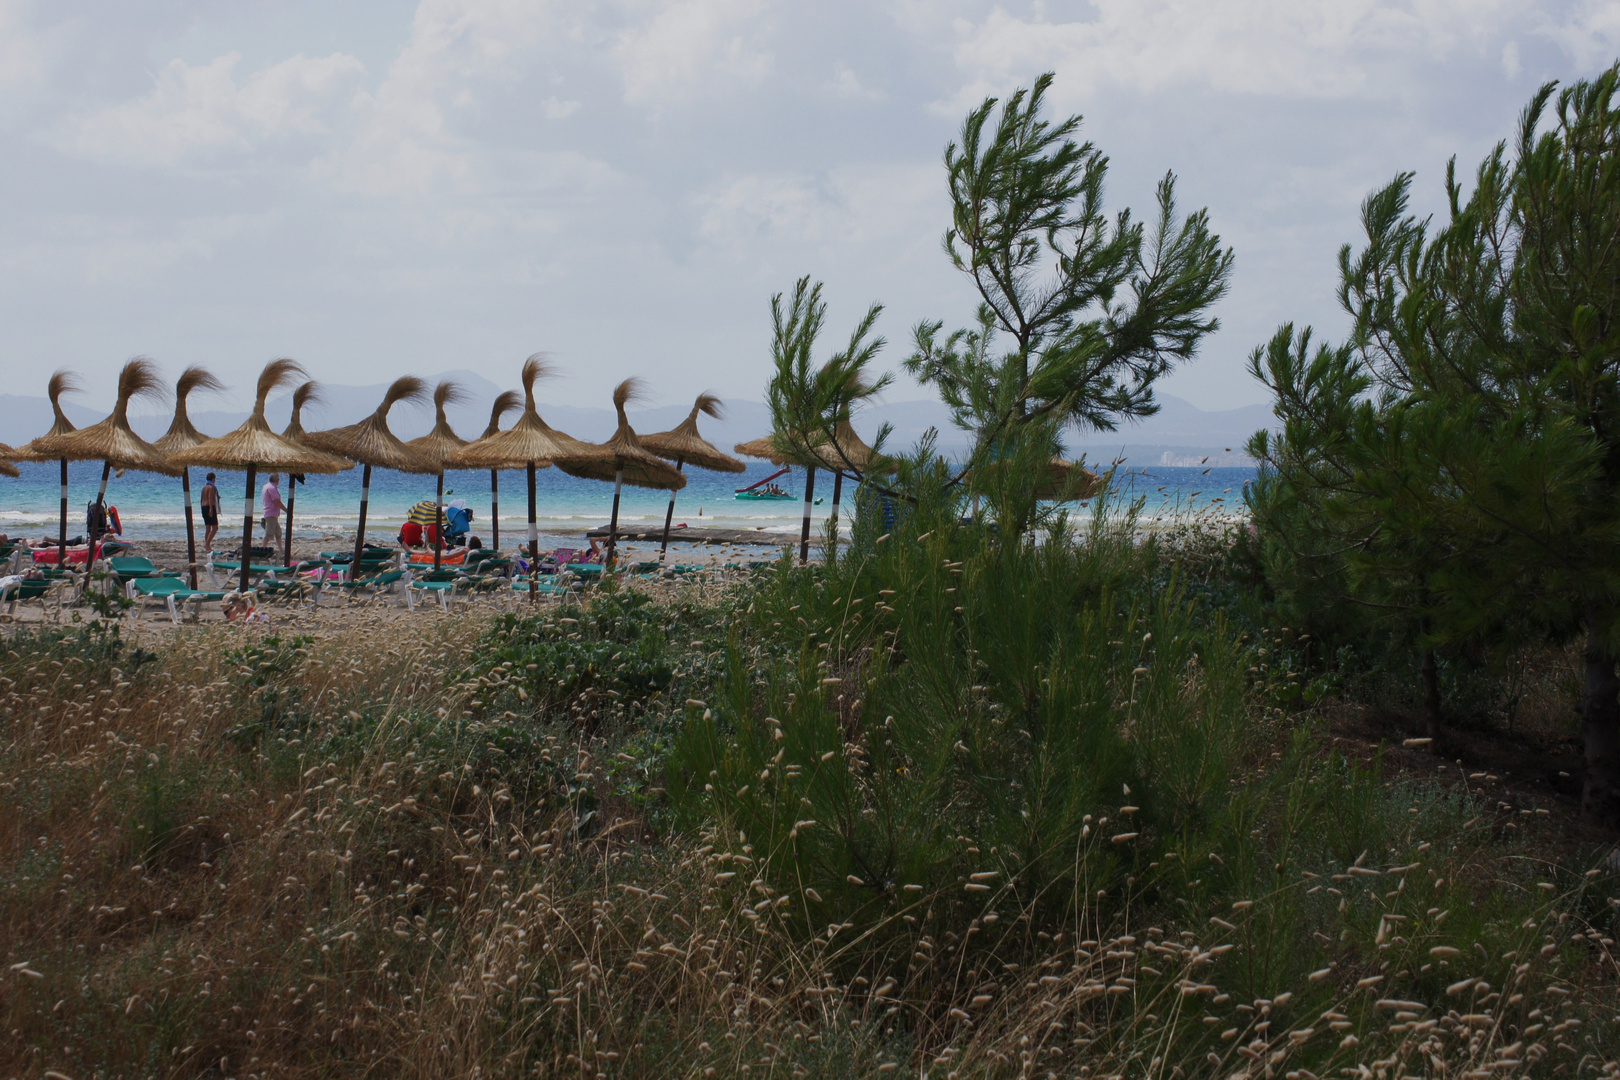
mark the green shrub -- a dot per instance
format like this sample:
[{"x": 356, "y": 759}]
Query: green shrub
[{"x": 1015, "y": 724}]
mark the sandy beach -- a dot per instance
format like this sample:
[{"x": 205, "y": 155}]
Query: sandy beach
[{"x": 334, "y": 609}]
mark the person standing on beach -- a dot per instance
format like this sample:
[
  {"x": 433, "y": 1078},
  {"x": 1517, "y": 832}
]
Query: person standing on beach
[
  {"x": 210, "y": 512},
  {"x": 272, "y": 513}
]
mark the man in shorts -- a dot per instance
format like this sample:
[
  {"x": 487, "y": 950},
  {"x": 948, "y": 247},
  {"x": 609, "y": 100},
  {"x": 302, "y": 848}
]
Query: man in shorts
[
  {"x": 272, "y": 513},
  {"x": 210, "y": 512}
]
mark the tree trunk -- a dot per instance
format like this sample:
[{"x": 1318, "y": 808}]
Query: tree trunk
[
  {"x": 534, "y": 545},
  {"x": 61, "y": 538},
  {"x": 804, "y": 533},
  {"x": 438, "y": 524},
  {"x": 1431, "y": 694},
  {"x": 360, "y": 530},
  {"x": 247, "y": 525},
  {"x": 495, "y": 509},
  {"x": 191, "y": 529},
  {"x": 1600, "y": 714},
  {"x": 613, "y": 522},
  {"x": 101, "y": 502},
  {"x": 669, "y": 514},
  {"x": 292, "y": 500}
]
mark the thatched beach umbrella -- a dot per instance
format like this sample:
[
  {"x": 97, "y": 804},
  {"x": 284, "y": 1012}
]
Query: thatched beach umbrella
[
  {"x": 253, "y": 446},
  {"x": 623, "y": 460},
  {"x": 845, "y": 452},
  {"x": 1067, "y": 479},
  {"x": 529, "y": 444},
  {"x": 182, "y": 435},
  {"x": 7, "y": 455},
  {"x": 308, "y": 393},
  {"x": 438, "y": 446},
  {"x": 62, "y": 382},
  {"x": 780, "y": 452},
  {"x": 374, "y": 446},
  {"x": 112, "y": 441},
  {"x": 505, "y": 402},
  {"x": 683, "y": 444}
]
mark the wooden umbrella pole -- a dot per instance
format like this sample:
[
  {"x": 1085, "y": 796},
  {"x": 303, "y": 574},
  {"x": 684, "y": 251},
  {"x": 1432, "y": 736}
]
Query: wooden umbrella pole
[
  {"x": 494, "y": 510},
  {"x": 61, "y": 536},
  {"x": 669, "y": 515},
  {"x": 838, "y": 493},
  {"x": 804, "y": 531},
  {"x": 286, "y": 541},
  {"x": 247, "y": 525},
  {"x": 534, "y": 544},
  {"x": 360, "y": 534},
  {"x": 613, "y": 522},
  {"x": 191, "y": 528},
  {"x": 101, "y": 501},
  {"x": 438, "y": 523}
]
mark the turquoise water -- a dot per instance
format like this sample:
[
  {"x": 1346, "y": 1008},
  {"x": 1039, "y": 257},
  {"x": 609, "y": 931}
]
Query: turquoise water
[{"x": 151, "y": 506}]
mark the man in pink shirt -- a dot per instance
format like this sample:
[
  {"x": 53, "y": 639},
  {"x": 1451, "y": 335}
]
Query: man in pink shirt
[{"x": 272, "y": 513}]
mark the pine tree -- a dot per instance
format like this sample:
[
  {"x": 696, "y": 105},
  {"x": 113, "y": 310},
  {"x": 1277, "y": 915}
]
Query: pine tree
[
  {"x": 1490, "y": 455},
  {"x": 1092, "y": 311}
]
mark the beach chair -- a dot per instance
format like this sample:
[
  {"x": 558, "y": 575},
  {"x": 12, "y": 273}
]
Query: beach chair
[
  {"x": 233, "y": 568},
  {"x": 547, "y": 585},
  {"x": 305, "y": 582},
  {"x": 48, "y": 591},
  {"x": 386, "y": 579},
  {"x": 442, "y": 585},
  {"x": 129, "y": 567},
  {"x": 172, "y": 593}
]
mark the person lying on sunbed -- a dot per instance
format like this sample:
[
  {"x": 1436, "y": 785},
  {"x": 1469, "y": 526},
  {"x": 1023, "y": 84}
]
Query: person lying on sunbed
[{"x": 450, "y": 556}]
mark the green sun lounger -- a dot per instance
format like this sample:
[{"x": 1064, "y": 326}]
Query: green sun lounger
[
  {"x": 172, "y": 592},
  {"x": 388, "y": 579},
  {"x": 546, "y": 585},
  {"x": 130, "y": 567},
  {"x": 42, "y": 589},
  {"x": 233, "y": 568}
]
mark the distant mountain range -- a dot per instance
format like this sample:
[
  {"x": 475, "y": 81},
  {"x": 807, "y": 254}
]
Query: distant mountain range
[{"x": 1181, "y": 433}]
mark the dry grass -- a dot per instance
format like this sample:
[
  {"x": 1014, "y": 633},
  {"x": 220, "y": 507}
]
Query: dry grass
[{"x": 364, "y": 887}]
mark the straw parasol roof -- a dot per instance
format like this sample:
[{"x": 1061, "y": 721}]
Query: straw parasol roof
[
  {"x": 505, "y": 402},
  {"x": 848, "y": 452},
  {"x": 371, "y": 443},
  {"x": 683, "y": 443},
  {"x": 622, "y": 457},
  {"x": 766, "y": 448},
  {"x": 308, "y": 393},
  {"x": 62, "y": 382},
  {"x": 6, "y": 467},
  {"x": 531, "y": 441},
  {"x": 112, "y": 440},
  {"x": 255, "y": 444},
  {"x": 439, "y": 444},
  {"x": 1063, "y": 477},
  {"x": 182, "y": 435}
]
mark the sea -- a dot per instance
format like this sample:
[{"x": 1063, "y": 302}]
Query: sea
[{"x": 152, "y": 506}]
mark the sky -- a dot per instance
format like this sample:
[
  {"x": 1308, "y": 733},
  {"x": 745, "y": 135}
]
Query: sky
[{"x": 377, "y": 188}]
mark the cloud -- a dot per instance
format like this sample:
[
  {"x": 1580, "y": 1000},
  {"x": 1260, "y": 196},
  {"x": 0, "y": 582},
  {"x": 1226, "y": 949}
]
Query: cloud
[
  {"x": 405, "y": 142},
  {"x": 1292, "y": 48},
  {"x": 674, "y": 49},
  {"x": 1588, "y": 30},
  {"x": 864, "y": 206},
  {"x": 22, "y": 55},
  {"x": 846, "y": 84},
  {"x": 194, "y": 109},
  {"x": 557, "y": 109}
]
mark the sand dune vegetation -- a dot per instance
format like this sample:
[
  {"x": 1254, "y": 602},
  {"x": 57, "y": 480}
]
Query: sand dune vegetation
[{"x": 985, "y": 789}]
